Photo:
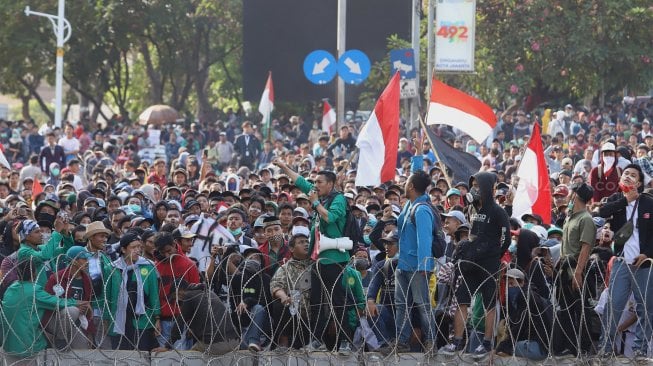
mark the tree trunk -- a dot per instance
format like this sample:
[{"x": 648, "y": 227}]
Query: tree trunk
[
  {"x": 25, "y": 99},
  {"x": 156, "y": 83}
]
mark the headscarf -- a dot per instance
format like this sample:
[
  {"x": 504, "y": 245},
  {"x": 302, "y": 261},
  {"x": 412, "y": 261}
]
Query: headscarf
[{"x": 27, "y": 227}]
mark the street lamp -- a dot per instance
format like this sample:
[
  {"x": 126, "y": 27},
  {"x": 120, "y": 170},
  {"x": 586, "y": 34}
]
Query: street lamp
[{"x": 61, "y": 26}]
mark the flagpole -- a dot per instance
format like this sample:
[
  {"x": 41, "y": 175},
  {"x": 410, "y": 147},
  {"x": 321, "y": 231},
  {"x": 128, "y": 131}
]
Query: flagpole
[{"x": 437, "y": 156}]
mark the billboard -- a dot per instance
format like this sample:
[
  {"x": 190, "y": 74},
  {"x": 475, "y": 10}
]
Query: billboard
[{"x": 455, "y": 27}]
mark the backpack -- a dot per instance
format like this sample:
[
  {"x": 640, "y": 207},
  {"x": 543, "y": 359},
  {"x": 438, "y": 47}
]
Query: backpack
[
  {"x": 439, "y": 243},
  {"x": 351, "y": 230}
]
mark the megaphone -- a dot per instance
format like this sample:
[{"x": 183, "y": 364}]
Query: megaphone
[{"x": 341, "y": 244}]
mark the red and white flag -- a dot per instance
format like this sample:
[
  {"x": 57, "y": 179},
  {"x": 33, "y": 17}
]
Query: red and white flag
[
  {"x": 533, "y": 194},
  {"x": 378, "y": 140},
  {"x": 266, "y": 106},
  {"x": 450, "y": 106},
  {"x": 328, "y": 118}
]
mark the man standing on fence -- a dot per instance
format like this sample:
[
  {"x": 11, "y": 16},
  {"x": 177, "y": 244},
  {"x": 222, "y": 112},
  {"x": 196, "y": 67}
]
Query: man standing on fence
[
  {"x": 416, "y": 262},
  {"x": 327, "y": 292},
  {"x": 578, "y": 237},
  {"x": 631, "y": 271},
  {"x": 489, "y": 238}
]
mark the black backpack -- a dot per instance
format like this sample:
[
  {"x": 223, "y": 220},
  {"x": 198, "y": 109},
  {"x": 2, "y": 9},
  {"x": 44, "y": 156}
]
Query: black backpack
[
  {"x": 351, "y": 230},
  {"x": 439, "y": 243}
]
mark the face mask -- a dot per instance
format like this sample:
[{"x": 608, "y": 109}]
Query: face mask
[
  {"x": 135, "y": 208},
  {"x": 426, "y": 151},
  {"x": 609, "y": 161},
  {"x": 276, "y": 239},
  {"x": 54, "y": 171},
  {"x": 513, "y": 247},
  {"x": 44, "y": 216},
  {"x": 471, "y": 148},
  {"x": 45, "y": 237},
  {"x": 570, "y": 206},
  {"x": 236, "y": 232},
  {"x": 474, "y": 195},
  {"x": 361, "y": 264},
  {"x": 367, "y": 240},
  {"x": 231, "y": 186},
  {"x": 252, "y": 265},
  {"x": 513, "y": 294},
  {"x": 300, "y": 230}
]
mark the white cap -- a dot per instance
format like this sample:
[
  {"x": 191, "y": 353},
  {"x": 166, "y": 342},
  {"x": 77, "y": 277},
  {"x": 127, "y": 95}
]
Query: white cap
[
  {"x": 540, "y": 231},
  {"x": 515, "y": 273},
  {"x": 608, "y": 146}
]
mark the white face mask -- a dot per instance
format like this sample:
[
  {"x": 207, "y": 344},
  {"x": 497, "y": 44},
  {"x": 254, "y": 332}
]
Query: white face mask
[{"x": 609, "y": 162}]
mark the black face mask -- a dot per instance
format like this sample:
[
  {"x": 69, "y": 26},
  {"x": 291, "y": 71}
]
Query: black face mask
[
  {"x": 361, "y": 264},
  {"x": 46, "y": 217}
]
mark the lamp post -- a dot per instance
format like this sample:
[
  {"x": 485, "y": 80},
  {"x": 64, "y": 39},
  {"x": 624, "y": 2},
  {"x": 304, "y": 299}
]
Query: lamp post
[{"x": 62, "y": 31}]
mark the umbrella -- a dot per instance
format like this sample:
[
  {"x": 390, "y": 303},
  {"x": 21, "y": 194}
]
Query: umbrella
[{"x": 158, "y": 115}]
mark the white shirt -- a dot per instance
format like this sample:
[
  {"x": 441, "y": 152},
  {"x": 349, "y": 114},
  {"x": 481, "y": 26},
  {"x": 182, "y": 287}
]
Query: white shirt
[
  {"x": 631, "y": 247},
  {"x": 69, "y": 144}
]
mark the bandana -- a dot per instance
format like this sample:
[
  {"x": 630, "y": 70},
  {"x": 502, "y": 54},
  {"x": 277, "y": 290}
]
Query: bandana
[{"x": 28, "y": 227}]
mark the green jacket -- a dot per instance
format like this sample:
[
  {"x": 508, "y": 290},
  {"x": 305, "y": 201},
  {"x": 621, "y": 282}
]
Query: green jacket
[
  {"x": 151, "y": 293},
  {"x": 353, "y": 285},
  {"x": 97, "y": 300},
  {"x": 333, "y": 229},
  {"x": 41, "y": 258},
  {"x": 23, "y": 306}
]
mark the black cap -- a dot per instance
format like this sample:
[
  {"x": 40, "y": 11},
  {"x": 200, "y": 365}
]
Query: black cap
[
  {"x": 128, "y": 238},
  {"x": 189, "y": 204},
  {"x": 583, "y": 191}
]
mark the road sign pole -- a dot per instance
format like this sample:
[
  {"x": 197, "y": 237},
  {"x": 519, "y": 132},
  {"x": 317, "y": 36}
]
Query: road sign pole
[
  {"x": 414, "y": 105},
  {"x": 342, "y": 37}
]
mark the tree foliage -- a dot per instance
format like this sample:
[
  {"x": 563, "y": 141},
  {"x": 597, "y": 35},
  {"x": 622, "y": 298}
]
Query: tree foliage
[
  {"x": 539, "y": 50},
  {"x": 129, "y": 53}
]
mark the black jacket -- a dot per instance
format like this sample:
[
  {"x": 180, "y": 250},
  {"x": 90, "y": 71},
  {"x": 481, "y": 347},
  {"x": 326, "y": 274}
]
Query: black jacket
[
  {"x": 615, "y": 210},
  {"x": 490, "y": 232},
  {"x": 242, "y": 146},
  {"x": 49, "y": 156}
]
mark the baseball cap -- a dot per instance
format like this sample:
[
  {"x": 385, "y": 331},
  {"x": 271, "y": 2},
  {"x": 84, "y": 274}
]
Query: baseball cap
[
  {"x": 561, "y": 190},
  {"x": 78, "y": 252},
  {"x": 457, "y": 215},
  {"x": 184, "y": 233},
  {"x": 453, "y": 192},
  {"x": 515, "y": 273}
]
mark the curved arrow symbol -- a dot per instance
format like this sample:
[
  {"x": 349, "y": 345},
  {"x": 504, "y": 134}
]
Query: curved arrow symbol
[{"x": 354, "y": 67}]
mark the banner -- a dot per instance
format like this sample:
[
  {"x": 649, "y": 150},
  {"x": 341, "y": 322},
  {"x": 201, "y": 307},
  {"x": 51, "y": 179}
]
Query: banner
[{"x": 455, "y": 34}]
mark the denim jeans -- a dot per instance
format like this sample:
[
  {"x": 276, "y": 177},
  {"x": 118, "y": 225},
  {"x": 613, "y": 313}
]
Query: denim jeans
[
  {"x": 182, "y": 344},
  {"x": 384, "y": 324},
  {"x": 259, "y": 326},
  {"x": 624, "y": 280},
  {"x": 412, "y": 288},
  {"x": 530, "y": 350}
]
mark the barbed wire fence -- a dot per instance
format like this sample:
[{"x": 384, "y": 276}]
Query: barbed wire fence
[{"x": 565, "y": 323}]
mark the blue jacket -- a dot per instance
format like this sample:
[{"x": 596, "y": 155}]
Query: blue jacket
[{"x": 416, "y": 238}]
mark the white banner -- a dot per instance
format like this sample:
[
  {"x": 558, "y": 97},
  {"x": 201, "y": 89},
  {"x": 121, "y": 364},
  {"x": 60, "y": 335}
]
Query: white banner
[{"x": 455, "y": 34}]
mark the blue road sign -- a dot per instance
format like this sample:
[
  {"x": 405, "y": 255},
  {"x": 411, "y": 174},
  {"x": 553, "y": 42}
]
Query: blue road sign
[
  {"x": 354, "y": 67},
  {"x": 320, "y": 67},
  {"x": 404, "y": 62}
]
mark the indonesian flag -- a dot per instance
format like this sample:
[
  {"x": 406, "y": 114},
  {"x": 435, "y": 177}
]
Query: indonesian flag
[
  {"x": 450, "y": 106},
  {"x": 378, "y": 140},
  {"x": 533, "y": 194},
  {"x": 266, "y": 106},
  {"x": 328, "y": 117}
]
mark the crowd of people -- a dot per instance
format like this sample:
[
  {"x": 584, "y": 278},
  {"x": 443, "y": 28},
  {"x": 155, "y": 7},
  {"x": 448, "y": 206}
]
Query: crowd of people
[{"x": 241, "y": 237}]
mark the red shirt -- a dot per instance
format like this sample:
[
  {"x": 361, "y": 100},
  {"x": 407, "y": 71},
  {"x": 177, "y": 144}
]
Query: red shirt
[{"x": 178, "y": 267}]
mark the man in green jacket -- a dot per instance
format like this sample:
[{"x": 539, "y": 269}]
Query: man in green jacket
[
  {"x": 23, "y": 306},
  {"x": 327, "y": 293},
  {"x": 43, "y": 254}
]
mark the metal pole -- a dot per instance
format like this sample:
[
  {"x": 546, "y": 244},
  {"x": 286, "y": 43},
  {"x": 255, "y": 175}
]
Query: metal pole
[
  {"x": 342, "y": 38},
  {"x": 59, "y": 71},
  {"x": 431, "y": 47},
  {"x": 414, "y": 105}
]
